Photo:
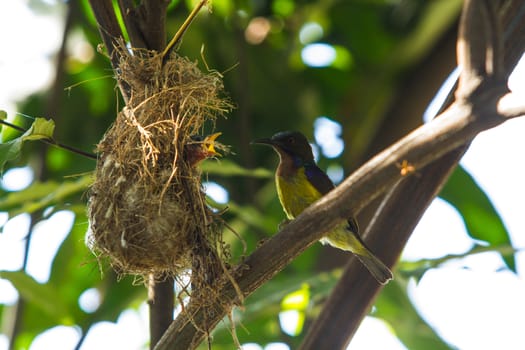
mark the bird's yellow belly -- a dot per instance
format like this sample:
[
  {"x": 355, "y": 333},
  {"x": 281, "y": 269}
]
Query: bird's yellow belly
[{"x": 296, "y": 194}]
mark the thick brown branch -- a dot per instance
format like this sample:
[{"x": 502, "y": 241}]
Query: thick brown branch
[
  {"x": 494, "y": 51},
  {"x": 479, "y": 47},
  {"x": 409, "y": 201},
  {"x": 145, "y": 23},
  {"x": 153, "y": 23},
  {"x": 145, "y": 26},
  {"x": 388, "y": 234},
  {"x": 456, "y": 126},
  {"x": 161, "y": 299},
  {"x": 110, "y": 32},
  {"x": 129, "y": 16},
  {"x": 471, "y": 47}
]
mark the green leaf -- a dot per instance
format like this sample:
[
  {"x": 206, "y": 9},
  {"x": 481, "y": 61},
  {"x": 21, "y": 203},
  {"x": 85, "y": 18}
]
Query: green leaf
[
  {"x": 9, "y": 151},
  {"x": 298, "y": 299},
  {"x": 416, "y": 269},
  {"x": 118, "y": 294},
  {"x": 3, "y": 116},
  {"x": 41, "y": 195},
  {"x": 226, "y": 167},
  {"x": 44, "y": 296},
  {"x": 394, "y": 306},
  {"x": 259, "y": 321},
  {"x": 40, "y": 129},
  {"x": 34, "y": 192},
  {"x": 481, "y": 218}
]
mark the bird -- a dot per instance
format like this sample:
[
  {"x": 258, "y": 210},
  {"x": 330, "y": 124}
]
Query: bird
[
  {"x": 200, "y": 148},
  {"x": 300, "y": 182}
]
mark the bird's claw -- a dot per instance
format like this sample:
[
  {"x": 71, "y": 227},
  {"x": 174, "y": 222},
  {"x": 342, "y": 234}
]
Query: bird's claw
[{"x": 283, "y": 223}]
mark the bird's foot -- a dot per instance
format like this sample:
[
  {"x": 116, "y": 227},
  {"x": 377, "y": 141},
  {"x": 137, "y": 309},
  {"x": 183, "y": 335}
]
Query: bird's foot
[{"x": 283, "y": 223}]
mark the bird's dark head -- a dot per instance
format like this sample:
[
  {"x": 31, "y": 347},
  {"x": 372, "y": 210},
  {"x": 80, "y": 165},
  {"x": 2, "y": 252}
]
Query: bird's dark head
[{"x": 290, "y": 143}]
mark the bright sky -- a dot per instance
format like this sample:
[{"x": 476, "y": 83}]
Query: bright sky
[{"x": 470, "y": 302}]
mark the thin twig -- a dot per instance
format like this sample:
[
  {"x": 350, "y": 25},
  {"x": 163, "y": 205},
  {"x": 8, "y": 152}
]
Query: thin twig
[
  {"x": 178, "y": 36},
  {"x": 53, "y": 142}
]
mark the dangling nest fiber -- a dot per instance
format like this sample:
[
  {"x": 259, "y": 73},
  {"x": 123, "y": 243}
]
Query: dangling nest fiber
[{"x": 147, "y": 209}]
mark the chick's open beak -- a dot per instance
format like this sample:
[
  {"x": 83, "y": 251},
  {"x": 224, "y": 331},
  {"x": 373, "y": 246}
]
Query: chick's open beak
[
  {"x": 209, "y": 144},
  {"x": 200, "y": 148}
]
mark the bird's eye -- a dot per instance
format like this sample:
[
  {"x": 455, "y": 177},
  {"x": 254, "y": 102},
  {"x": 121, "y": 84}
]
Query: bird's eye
[{"x": 291, "y": 140}]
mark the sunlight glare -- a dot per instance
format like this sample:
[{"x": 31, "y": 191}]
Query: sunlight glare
[
  {"x": 216, "y": 192},
  {"x": 374, "y": 333},
  {"x": 435, "y": 104},
  {"x": 90, "y": 300},
  {"x": 12, "y": 242},
  {"x": 27, "y": 68},
  {"x": 336, "y": 173},
  {"x": 310, "y": 32},
  {"x": 440, "y": 231},
  {"x": 4, "y": 342},
  {"x": 291, "y": 322},
  {"x": 8, "y": 293},
  {"x": 47, "y": 237},
  {"x": 516, "y": 83},
  {"x": 276, "y": 346},
  {"x": 463, "y": 296},
  {"x": 59, "y": 337},
  {"x": 327, "y": 133},
  {"x": 129, "y": 332},
  {"x": 318, "y": 55},
  {"x": 17, "y": 179}
]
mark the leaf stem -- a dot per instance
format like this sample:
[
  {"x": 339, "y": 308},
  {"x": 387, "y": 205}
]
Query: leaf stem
[{"x": 53, "y": 142}]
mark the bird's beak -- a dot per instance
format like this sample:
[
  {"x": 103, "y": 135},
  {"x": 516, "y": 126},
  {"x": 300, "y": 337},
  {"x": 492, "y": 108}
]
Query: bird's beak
[
  {"x": 209, "y": 144},
  {"x": 265, "y": 141}
]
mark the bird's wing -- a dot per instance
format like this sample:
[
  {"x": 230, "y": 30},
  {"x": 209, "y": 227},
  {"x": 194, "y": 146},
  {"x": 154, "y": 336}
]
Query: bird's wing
[
  {"x": 323, "y": 184},
  {"x": 353, "y": 226},
  {"x": 318, "y": 179}
]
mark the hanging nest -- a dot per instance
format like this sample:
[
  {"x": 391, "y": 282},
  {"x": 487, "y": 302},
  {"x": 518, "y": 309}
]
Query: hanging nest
[{"x": 147, "y": 209}]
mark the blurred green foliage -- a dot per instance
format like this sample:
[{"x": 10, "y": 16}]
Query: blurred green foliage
[{"x": 377, "y": 42}]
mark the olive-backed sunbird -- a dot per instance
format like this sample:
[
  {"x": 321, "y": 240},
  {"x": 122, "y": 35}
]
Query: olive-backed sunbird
[{"x": 300, "y": 182}]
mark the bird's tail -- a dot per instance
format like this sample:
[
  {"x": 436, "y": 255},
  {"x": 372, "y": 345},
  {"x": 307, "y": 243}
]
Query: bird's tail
[
  {"x": 346, "y": 239},
  {"x": 376, "y": 267}
]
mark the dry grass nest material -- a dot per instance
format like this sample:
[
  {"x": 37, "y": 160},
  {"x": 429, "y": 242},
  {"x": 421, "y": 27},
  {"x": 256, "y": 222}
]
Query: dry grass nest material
[{"x": 147, "y": 208}]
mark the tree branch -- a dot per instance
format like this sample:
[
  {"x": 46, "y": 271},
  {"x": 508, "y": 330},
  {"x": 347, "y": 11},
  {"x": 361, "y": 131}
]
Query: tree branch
[
  {"x": 387, "y": 230},
  {"x": 110, "y": 32},
  {"x": 479, "y": 51},
  {"x": 456, "y": 126},
  {"x": 161, "y": 300},
  {"x": 145, "y": 23},
  {"x": 409, "y": 201},
  {"x": 129, "y": 16}
]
